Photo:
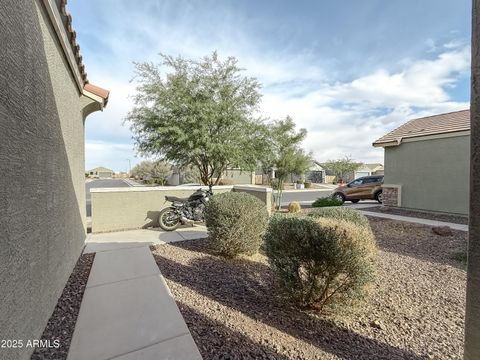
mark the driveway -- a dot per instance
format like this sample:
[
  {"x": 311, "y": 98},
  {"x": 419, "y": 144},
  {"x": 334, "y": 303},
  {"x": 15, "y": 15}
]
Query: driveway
[
  {"x": 303, "y": 196},
  {"x": 103, "y": 183}
]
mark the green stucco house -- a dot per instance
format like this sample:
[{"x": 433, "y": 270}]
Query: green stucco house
[
  {"x": 427, "y": 164},
  {"x": 45, "y": 97}
]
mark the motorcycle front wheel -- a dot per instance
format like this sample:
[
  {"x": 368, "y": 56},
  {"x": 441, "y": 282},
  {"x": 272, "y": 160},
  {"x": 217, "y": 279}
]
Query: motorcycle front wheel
[{"x": 169, "y": 219}]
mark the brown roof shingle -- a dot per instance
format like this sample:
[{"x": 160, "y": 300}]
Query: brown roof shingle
[{"x": 430, "y": 125}]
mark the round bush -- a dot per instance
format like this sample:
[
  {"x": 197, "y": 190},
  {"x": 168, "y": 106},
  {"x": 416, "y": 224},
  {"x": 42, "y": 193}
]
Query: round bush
[
  {"x": 294, "y": 207},
  {"x": 341, "y": 213},
  {"x": 321, "y": 262},
  {"x": 236, "y": 222}
]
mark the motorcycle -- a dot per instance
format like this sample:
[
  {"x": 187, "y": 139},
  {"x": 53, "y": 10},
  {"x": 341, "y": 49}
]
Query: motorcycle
[{"x": 184, "y": 210}]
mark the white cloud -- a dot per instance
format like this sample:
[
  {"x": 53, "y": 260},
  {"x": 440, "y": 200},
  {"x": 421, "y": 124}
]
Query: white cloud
[
  {"x": 341, "y": 118},
  {"x": 422, "y": 84},
  {"x": 345, "y": 118},
  {"x": 112, "y": 155}
]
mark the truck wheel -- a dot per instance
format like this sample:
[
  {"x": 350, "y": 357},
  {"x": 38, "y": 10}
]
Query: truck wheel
[
  {"x": 339, "y": 197},
  {"x": 379, "y": 196}
]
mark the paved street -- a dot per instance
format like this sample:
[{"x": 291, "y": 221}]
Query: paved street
[
  {"x": 303, "y": 196},
  {"x": 103, "y": 183}
]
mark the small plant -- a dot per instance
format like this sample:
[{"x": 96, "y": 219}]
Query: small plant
[
  {"x": 342, "y": 214},
  {"x": 308, "y": 184},
  {"x": 326, "y": 201},
  {"x": 294, "y": 207},
  {"x": 236, "y": 222},
  {"x": 321, "y": 263},
  {"x": 299, "y": 182}
]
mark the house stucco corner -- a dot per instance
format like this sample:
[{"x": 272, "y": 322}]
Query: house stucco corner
[{"x": 43, "y": 224}]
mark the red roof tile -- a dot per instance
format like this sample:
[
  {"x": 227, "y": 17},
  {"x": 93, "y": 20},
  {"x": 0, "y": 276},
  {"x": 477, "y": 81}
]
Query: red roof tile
[
  {"x": 72, "y": 37},
  {"x": 97, "y": 91}
]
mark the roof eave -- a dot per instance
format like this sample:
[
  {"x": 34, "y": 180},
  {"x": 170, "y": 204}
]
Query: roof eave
[
  {"x": 387, "y": 143},
  {"x": 100, "y": 96}
]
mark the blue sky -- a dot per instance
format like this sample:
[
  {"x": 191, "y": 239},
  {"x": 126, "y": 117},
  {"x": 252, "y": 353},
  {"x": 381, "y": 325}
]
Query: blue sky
[{"x": 347, "y": 71}]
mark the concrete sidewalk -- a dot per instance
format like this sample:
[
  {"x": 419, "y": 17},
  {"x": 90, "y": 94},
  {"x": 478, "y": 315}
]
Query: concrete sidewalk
[
  {"x": 127, "y": 310},
  {"x": 141, "y": 237},
  {"x": 422, "y": 221}
]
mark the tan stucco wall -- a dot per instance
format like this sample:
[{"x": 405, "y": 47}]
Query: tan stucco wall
[
  {"x": 433, "y": 174},
  {"x": 261, "y": 193},
  {"x": 240, "y": 176},
  {"x": 117, "y": 209},
  {"x": 42, "y": 189}
]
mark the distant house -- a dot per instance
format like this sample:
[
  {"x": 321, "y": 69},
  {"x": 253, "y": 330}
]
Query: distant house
[
  {"x": 366, "y": 170},
  {"x": 234, "y": 176},
  {"x": 101, "y": 173},
  {"x": 427, "y": 163},
  {"x": 316, "y": 173}
]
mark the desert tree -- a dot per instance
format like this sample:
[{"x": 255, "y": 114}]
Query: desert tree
[
  {"x": 155, "y": 170},
  {"x": 341, "y": 167},
  {"x": 285, "y": 155},
  {"x": 201, "y": 114}
]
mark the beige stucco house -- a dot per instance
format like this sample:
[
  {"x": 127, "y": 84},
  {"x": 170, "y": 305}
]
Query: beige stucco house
[
  {"x": 101, "y": 173},
  {"x": 45, "y": 96},
  {"x": 427, "y": 163},
  {"x": 369, "y": 170}
]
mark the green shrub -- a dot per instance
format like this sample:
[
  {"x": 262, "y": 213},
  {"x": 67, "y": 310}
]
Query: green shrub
[
  {"x": 308, "y": 184},
  {"x": 341, "y": 213},
  {"x": 236, "y": 222},
  {"x": 321, "y": 263},
  {"x": 326, "y": 201},
  {"x": 294, "y": 207}
]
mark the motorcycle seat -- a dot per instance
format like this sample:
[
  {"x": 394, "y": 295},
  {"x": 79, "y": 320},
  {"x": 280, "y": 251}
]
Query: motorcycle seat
[{"x": 175, "y": 199}]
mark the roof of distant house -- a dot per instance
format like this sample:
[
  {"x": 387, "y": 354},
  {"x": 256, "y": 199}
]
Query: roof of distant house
[
  {"x": 373, "y": 167},
  {"x": 431, "y": 125},
  {"x": 102, "y": 169}
]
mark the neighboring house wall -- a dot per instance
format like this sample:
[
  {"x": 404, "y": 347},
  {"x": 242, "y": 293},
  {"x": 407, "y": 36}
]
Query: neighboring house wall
[
  {"x": 42, "y": 187},
  {"x": 432, "y": 174},
  {"x": 240, "y": 176}
]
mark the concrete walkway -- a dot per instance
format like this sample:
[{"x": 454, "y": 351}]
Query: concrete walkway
[
  {"x": 141, "y": 237},
  {"x": 127, "y": 310},
  {"x": 454, "y": 226}
]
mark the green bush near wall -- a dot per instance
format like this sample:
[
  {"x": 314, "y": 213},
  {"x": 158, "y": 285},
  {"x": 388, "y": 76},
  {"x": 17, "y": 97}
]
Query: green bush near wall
[{"x": 236, "y": 222}]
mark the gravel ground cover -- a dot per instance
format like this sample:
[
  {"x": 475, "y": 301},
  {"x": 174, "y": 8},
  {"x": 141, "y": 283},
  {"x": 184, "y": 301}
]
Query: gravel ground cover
[
  {"x": 61, "y": 324},
  {"x": 457, "y": 219},
  {"x": 234, "y": 309}
]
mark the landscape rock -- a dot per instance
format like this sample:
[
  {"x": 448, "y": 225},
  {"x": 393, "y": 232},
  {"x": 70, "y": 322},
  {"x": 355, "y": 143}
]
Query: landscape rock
[{"x": 442, "y": 230}]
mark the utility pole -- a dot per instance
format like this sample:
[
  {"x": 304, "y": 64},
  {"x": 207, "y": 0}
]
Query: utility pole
[
  {"x": 129, "y": 167},
  {"x": 472, "y": 314}
]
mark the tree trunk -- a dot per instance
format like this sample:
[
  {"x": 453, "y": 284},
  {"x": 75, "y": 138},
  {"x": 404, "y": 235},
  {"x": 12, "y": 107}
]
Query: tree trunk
[{"x": 472, "y": 315}]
